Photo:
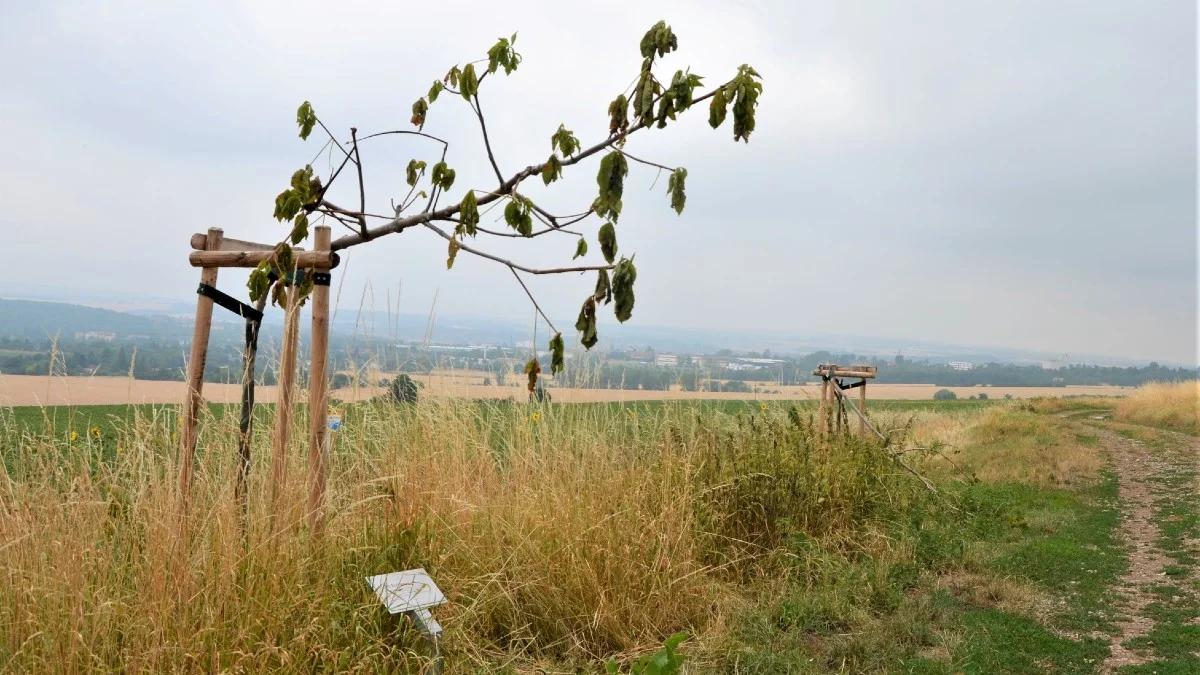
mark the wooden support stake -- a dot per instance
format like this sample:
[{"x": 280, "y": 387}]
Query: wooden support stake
[
  {"x": 821, "y": 407},
  {"x": 318, "y": 392},
  {"x": 862, "y": 405},
  {"x": 823, "y": 410},
  {"x": 284, "y": 400},
  {"x": 195, "y": 380}
]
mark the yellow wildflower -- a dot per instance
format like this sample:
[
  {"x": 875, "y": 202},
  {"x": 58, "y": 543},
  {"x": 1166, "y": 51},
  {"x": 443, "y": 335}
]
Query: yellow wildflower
[
  {"x": 535, "y": 416},
  {"x": 74, "y": 436},
  {"x": 95, "y": 432}
]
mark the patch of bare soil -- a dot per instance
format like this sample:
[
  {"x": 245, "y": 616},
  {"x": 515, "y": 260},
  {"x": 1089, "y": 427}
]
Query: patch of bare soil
[{"x": 1135, "y": 464}]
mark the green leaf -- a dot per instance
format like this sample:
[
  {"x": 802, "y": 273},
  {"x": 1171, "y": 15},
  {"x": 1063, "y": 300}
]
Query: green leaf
[
  {"x": 551, "y": 170},
  {"x": 442, "y": 176},
  {"x": 452, "y": 253},
  {"x": 419, "y": 108},
  {"x": 666, "y": 111},
  {"x": 564, "y": 141},
  {"x": 279, "y": 295},
  {"x": 516, "y": 214},
  {"x": 435, "y": 90},
  {"x": 611, "y": 180},
  {"x": 260, "y": 281},
  {"x": 287, "y": 205},
  {"x": 502, "y": 55},
  {"x": 618, "y": 115},
  {"x": 580, "y": 248},
  {"x": 586, "y": 323},
  {"x": 644, "y": 93},
  {"x": 305, "y": 119},
  {"x": 608, "y": 241},
  {"x": 299, "y": 228},
  {"x": 556, "y": 354},
  {"x": 682, "y": 89},
  {"x": 283, "y": 259},
  {"x": 414, "y": 171},
  {"x": 468, "y": 212},
  {"x": 718, "y": 108},
  {"x": 622, "y": 287},
  {"x": 468, "y": 83},
  {"x": 746, "y": 89},
  {"x": 305, "y": 288},
  {"x": 305, "y": 188},
  {"x": 675, "y": 188},
  {"x": 659, "y": 40},
  {"x": 603, "y": 292},
  {"x": 452, "y": 76},
  {"x": 302, "y": 181}
]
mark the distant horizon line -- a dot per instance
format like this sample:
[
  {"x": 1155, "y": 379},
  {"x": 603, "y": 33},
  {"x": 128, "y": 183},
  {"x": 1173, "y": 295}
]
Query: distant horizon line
[{"x": 952, "y": 349}]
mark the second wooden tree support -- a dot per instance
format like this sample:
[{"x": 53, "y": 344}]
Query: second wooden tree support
[
  {"x": 195, "y": 380},
  {"x": 318, "y": 390},
  {"x": 285, "y": 398},
  {"x": 831, "y": 414}
]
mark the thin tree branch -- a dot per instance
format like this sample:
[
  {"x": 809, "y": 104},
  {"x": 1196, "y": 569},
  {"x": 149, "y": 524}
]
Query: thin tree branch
[
  {"x": 402, "y": 223},
  {"x": 331, "y": 136},
  {"x": 512, "y": 265},
  {"x": 518, "y": 235},
  {"x": 487, "y": 144},
  {"x": 534, "y": 301},
  {"x": 646, "y": 162},
  {"x": 362, "y": 189},
  {"x": 406, "y": 133},
  {"x": 325, "y": 203}
]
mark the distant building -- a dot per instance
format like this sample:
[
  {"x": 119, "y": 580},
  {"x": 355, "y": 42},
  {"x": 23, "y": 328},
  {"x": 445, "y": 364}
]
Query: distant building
[
  {"x": 96, "y": 335},
  {"x": 759, "y": 361},
  {"x": 666, "y": 360},
  {"x": 960, "y": 365}
]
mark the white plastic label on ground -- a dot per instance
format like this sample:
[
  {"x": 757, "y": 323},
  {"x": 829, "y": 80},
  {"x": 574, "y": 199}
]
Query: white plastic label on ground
[{"x": 406, "y": 591}]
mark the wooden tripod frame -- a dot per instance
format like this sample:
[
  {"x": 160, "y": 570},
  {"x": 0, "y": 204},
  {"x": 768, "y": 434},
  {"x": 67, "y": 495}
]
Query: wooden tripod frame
[
  {"x": 831, "y": 415},
  {"x": 214, "y": 251}
]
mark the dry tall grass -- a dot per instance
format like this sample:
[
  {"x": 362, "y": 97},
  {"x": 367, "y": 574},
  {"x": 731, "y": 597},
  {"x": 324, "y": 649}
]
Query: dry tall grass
[
  {"x": 1004, "y": 442},
  {"x": 1175, "y": 405},
  {"x": 561, "y": 534}
]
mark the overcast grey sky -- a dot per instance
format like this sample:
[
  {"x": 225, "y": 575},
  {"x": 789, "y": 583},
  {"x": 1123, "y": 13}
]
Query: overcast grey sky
[{"x": 1015, "y": 173}]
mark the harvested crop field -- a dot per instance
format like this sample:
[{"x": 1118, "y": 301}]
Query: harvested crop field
[{"x": 23, "y": 390}]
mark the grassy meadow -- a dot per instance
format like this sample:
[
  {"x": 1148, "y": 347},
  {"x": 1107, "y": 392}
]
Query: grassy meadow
[{"x": 568, "y": 536}]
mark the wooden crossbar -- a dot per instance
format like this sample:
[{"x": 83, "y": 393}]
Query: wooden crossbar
[
  {"x": 322, "y": 260},
  {"x": 199, "y": 242},
  {"x": 833, "y": 370}
]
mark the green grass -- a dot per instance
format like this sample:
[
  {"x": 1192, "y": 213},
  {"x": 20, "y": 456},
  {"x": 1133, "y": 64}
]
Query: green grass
[
  {"x": 875, "y": 600},
  {"x": 854, "y": 613},
  {"x": 61, "y": 419},
  {"x": 1069, "y": 549},
  {"x": 1174, "y": 642}
]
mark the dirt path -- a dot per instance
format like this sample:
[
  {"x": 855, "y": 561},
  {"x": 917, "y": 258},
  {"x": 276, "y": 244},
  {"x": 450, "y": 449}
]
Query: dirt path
[{"x": 1136, "y": 466}]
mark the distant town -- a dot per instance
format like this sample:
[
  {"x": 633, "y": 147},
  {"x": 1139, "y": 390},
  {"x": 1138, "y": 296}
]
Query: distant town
[{"x": 43, "y": 338}]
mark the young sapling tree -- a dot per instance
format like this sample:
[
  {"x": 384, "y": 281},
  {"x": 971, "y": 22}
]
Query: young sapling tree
[{"x": 650, "y": 102}]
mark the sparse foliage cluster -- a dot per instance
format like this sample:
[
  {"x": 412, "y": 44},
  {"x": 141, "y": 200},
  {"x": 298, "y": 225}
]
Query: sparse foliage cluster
[{"x": 649, "y": 102}]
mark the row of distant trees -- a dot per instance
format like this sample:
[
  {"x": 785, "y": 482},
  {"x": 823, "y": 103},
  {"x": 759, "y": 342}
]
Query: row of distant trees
[{"x": 163, "y": 359}]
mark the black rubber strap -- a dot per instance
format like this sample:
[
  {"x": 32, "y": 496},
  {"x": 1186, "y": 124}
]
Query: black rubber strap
[
  {"x": 321, "y": 278},
  {"x": 230, "y": 303}
]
